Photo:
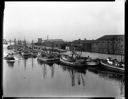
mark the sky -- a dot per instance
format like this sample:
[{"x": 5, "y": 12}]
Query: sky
[{"x": 62, "y": 20}]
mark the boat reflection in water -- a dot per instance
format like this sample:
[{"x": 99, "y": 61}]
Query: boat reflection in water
[
  {"x": 44, "y": 66},
  {"x": 10, "y": 64},
  {"x": 107, "y": 74},
  {"x": 48, "y": 63},
  {"x": 77, "y": 75},
  {"x": 25, "y": 62},
  {"x": 111, "y": 76},
  {"x": 52, "y": 68}
]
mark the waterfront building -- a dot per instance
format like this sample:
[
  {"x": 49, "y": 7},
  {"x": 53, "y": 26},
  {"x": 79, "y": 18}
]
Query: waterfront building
[
  {"x": 109, "y": 44},
  {"x": 84, "y": 45},
  {"x": 49, "y": 43},
  {"x": 53, "y": 43}
]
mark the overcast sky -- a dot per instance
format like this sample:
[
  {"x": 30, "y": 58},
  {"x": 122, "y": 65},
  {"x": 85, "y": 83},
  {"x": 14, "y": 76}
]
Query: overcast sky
[{"x": 62, "y": 20}]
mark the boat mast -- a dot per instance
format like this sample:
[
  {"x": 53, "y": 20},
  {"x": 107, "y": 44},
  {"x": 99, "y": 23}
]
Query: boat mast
[
  {"x": 52, "y": 47},
  {"x": 32, "y": 45},
  {"x": 24, "y": 44}
]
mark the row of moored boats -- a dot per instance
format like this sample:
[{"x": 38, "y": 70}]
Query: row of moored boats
[{"x": 69, "y": 60}]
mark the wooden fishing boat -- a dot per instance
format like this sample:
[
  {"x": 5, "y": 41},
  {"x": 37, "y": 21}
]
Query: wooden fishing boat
[
  {"x": 26, "y": 54},
  {"x": 10, "y": 47},
  {"x": 114, "y": 66},
  {"x": 17, "y": 51},
  {"x": 10, "y": 57},
  {"x": 47, "y": 57},
  {"x": 69, "y": 61},
  {"x": 34, "y": 54}
]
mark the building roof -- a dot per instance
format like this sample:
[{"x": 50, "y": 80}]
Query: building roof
[
  {"x": 55, "y": 40},
  {"x": 82, "y": 41},
  {"x": 110, "y": 37}
]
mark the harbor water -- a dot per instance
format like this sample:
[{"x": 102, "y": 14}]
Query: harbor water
[{"x": 29, "y": 78}]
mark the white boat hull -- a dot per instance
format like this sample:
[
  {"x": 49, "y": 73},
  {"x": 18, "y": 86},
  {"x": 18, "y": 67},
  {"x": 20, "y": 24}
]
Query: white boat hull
[
  {"x": 112, "y": 67},
  {"x": 73, "y": 64},
  {"x": 11, "y": 61}
]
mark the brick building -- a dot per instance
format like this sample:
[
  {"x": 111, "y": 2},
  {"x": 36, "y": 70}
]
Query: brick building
[
  {"x": 109, "y": 44},
  {"x": 53, "y": 42},
  {"x": 84, "y": 45}
]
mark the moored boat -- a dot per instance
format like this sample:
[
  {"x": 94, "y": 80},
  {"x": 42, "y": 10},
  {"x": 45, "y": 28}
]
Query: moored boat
[
  {"x": 34, "y": 54},
  {"x": 10, "y": 47},
  {"x": 44, "y": 57},
  {"x": 10, "y": 57},
  {"x": 26, "y": 54},
  {"x": 67, "y": 60},
  {"x": 113, "y": 66}
]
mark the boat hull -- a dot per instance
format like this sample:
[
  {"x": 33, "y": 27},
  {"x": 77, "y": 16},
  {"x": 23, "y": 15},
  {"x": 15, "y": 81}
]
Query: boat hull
[
  {"x": 10, "y": 61},
  {"x": 110, "y": 67},
  {"x": 45, "y": 59},
  {"x": 72, "y": 64},
  {"x": 9, "y": 58},
  {"x": 26, "y": 55}
]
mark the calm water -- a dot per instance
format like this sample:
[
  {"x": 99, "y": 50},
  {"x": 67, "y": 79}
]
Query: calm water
[{"x": 30, "y": 78}]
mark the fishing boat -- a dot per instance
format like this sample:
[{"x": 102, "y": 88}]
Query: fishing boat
[
  {"x": 69, "y": 61},
  {"x": 10, "y": 57},
  {"x": 113, "y": 65},
  {"x": 48, "y": 55},
  {"x": 10, "y": 47},
  {"x": 74, "y": 59},
  {"x": 26, "y": 54},
  {"x": 17, "y": 51},
  {"x": 45, "y": 57},
  {"x": 91, "y": 62},
  {"x": 34, "y": 54},
  {"x": 26, "y": 51}
]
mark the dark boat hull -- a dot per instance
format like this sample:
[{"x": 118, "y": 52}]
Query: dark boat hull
[
  {"x": 26, "y": 55},
  {"x": 10, "y": 61},
  {"x": 44, "y": 62},
  {"x": 9, "y": 58}
]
